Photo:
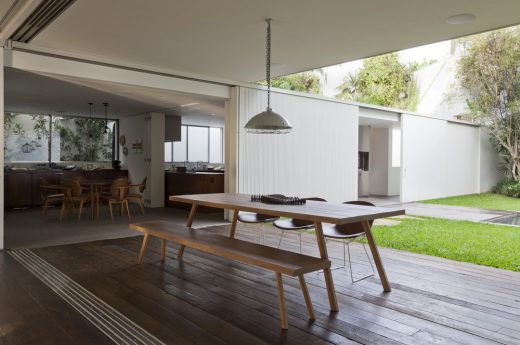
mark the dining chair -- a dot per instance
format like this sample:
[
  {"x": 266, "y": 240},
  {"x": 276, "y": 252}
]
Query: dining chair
[
  {"x": 258, "y": 218},
  {"x": 74, "y": 194},
  {"x": 139, "y": 195},
  {"x": 117, "y": 193},
  {"x": 348, "y": 233},
  {"x": 298, "y": 225},
  {"x": 50, "y": 194}
]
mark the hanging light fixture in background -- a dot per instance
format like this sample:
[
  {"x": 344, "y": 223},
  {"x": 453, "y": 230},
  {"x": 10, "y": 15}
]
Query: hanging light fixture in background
[
  {"x": 106, "y": 130},
  {"x": 268, "y": 122}
]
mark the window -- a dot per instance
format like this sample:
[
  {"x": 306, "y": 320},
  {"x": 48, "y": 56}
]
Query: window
[
  {"x": 198, "y": 144},
  {"x": 168, "y": 151},
  {"x": 215, "y": 145},
  {"x": 179, "y": 148},
  {"x": 71, "y": 138},
  {"x": 26, "y": 137}
]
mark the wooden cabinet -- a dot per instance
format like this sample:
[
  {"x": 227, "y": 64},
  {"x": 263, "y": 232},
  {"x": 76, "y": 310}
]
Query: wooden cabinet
[
  {"x": 22, "y": 188},
  {"x": 17, "y": 189},
  {"x": 192, "y": 183}
]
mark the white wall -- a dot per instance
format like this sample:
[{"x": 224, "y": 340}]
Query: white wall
[
  {"x": 154, "y": 149},
  {"x": 439, "y": 158},
  {"x": 490, "y": 173},
  {"x": 462, "y": 159},
  {"x": 133, "y": 128},
  {"x": 364, "y": 139},
  {"x": 150, "y": 162},
  {"x": 378, "y": 167},
  {"x": 318, "y": 158},
  {"x": 394, "y": 172}
]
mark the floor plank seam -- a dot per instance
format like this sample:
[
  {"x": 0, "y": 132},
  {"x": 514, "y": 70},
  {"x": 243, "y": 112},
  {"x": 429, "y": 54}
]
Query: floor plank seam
[{"x": 108, "y": 320}]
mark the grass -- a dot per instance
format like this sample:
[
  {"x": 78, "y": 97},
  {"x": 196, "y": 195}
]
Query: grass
[
  {"x": 485, "y": 200},
  {"x": 479, "y": 243}
]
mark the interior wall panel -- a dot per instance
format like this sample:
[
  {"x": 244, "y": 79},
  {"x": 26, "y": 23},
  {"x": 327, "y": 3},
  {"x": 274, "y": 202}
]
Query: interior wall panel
[{"x": 318, "y": 158}]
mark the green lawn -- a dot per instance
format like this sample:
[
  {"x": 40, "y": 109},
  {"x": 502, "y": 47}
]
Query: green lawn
[
  {"x": 489, "y": 201},
  {"x": 484, "y": 244}
]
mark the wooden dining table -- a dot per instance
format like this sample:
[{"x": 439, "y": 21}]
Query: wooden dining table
[
  {"x": 315, "y": 211},
  {"x": 94, "y": 186}
]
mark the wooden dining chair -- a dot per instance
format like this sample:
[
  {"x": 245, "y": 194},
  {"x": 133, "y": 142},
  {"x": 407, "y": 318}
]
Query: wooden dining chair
[
  {"x": 117, "y": 193},
  {"x": 348, "y": 233},
  {"x": 139, "y": 195},
  {"x": 298, "y": 225},
  {"x": 74, "y": 194},
  {"x": 50, "y": 194}
]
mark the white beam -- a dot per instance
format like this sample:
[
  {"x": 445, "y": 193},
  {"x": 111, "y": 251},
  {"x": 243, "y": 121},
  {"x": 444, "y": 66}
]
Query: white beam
[{"x": 80, "y": 69}]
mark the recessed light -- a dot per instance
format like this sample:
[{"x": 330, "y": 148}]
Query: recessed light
[
  {"x": 462, "y": 18},
  {"x": 188, "y": 105},
  {"x": 213, "y": 114}
]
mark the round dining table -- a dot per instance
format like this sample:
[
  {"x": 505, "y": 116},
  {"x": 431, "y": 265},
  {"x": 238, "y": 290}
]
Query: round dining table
[{"x": 95, "y": 186}]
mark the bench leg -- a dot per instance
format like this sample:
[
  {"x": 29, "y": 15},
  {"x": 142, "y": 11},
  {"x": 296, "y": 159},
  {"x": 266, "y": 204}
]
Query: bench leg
[
  {"x": 307, "y": 298},
  {"x": 281, "y": 301},
  {"x": 163, "y": 250},
  {"x": 188, "y": 224},
  {"x": 143, "y": 248}
]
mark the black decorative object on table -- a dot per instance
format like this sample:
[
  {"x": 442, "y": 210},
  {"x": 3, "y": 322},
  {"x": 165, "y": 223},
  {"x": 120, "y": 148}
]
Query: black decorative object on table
[{"x": 277, "y": 199}]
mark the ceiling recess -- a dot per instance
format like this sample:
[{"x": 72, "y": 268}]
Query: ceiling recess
[{"x": 39, "y": 19}]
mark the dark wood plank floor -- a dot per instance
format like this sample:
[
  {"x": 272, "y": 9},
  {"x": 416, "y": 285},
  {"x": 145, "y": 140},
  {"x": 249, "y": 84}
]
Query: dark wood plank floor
[{"x": 209, "y": 300}]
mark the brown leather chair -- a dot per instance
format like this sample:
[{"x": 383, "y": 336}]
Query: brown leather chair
[
  {"x": 347, "y": 233},
  {"x": 74, "y": 194},
  {"x": 139, "y": 196},
  {"x": 117, "y": 193},
  {"x": 298, "y": 225}
]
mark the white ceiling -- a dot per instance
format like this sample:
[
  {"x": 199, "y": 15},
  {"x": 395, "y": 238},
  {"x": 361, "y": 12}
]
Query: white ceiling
[
  {"x": 226, "y": 38},
  {"x": 59, "y": 95}
]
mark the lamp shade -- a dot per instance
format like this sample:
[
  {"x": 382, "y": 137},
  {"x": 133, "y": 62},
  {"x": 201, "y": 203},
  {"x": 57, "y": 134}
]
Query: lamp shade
[{"x": 268, "y": 122}]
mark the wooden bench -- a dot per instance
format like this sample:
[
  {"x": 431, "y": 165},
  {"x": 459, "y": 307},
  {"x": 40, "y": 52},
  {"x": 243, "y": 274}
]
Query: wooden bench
[{"x": 277, "y": 260}]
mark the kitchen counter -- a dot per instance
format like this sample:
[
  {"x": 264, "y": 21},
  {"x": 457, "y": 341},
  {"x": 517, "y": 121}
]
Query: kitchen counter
[{"x": 192, "y": 182}]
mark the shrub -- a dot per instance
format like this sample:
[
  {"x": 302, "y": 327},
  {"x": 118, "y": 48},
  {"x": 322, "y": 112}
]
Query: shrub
[{"x": 508, "y": 187}]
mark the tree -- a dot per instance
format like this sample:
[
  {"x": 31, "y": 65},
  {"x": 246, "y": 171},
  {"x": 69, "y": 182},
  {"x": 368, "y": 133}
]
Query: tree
[
  {"x": 304, "y": 82},
  {"x": 382, "y": 80},
  {"x": 489, "y": 71}
]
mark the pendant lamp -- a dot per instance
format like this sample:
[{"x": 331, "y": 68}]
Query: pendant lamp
[
  {"x": 90, "y": 135},
  {"x": 106, "y": 130},
  {"x": 268, "y": 122}
]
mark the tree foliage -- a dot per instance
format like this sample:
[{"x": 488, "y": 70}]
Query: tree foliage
[
  {"x": 489, "y": 71},
  {"x": 382, "y": 80},
  {"x": 304, "y": 82}
]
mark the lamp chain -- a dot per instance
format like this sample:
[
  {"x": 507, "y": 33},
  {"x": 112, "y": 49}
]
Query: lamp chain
[{"x": 268, "y": 63}]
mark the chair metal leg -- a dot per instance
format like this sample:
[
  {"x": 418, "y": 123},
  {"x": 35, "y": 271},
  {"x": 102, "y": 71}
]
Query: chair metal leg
[
  {"x": 350, "y": 264},
  {"x": 281, "y": 238}
]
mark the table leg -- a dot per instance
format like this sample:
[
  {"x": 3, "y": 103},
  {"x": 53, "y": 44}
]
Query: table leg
[
  {"x": 376, "y": 256},
  {"x": 233, "y": 224},
  {"x": 326, "y": 271},
  {"x": 188, "y": 224}
]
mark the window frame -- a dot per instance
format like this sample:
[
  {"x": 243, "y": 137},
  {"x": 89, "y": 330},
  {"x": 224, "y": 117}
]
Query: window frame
[
  {"x": 114, "y": 146},
  {"x": 172, "y": 158}
]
